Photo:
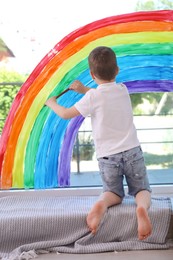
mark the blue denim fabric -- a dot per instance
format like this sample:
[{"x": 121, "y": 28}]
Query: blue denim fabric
[{"x": 129, "y": 164}]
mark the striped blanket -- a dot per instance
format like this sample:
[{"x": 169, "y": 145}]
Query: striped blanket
[{"x": 58, "y": 224}]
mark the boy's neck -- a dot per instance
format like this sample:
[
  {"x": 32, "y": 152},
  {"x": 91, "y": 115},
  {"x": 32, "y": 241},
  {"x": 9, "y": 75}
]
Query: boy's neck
[{"x": 99, "y": 81}]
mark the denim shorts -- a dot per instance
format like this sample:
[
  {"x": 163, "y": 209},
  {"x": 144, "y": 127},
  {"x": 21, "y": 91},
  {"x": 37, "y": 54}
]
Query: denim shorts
[{"x": 129, "y": 164}]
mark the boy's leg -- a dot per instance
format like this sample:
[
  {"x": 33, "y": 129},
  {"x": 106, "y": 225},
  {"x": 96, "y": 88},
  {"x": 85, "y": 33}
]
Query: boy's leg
[
  {"x": 106, "y": 200},
  {"x": 143, "y": 201},
  {"x": 138, "y": 184}
]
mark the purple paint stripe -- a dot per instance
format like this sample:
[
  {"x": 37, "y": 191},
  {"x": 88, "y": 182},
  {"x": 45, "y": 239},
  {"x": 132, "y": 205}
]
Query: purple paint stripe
[
  {"x": 138, "y": 86},
  {"x": 66, "y": 151}
]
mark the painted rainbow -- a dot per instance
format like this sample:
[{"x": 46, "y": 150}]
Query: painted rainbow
[{"x": 36, "y": 145}]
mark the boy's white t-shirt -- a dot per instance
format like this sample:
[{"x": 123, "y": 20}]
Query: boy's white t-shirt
[{"x": 111, "y": 117}]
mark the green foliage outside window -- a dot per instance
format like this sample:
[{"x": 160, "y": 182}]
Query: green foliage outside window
[
  {"x": 10, "y": 83},
  {"x": 148, "y": 5},
  {"x": 83, "y": 148}
]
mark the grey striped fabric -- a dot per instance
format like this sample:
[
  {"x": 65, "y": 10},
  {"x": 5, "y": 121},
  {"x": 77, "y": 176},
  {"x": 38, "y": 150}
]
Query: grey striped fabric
[{"x": 58, "y": 224}]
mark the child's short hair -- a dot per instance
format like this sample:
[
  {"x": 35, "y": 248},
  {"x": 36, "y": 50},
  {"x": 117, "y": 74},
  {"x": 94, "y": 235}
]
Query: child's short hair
[{"x": 102, "y": 62}]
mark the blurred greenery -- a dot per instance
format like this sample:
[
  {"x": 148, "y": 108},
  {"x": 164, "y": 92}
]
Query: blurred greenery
[
  {"x": 10, "y": 83},
  {"x": 164, "y": 160},
  {"x": 152, "y": 103},
  {"x": 148, "y": 5},
  {"x": 85, "y": 150}
]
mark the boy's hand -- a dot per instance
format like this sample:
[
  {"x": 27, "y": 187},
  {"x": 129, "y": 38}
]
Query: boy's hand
[
  {"x": 50, "y": 101},
  {"x": 77, "y": 86}
]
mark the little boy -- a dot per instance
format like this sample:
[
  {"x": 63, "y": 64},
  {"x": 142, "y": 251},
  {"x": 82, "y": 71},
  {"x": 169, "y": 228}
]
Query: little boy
[{"x": 115, "y": 138}]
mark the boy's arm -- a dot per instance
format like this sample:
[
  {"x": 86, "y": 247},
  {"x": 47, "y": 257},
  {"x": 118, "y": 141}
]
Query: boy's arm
[
  {"x": 64, "y": 112},
  {"x": 61, "y": 111}
]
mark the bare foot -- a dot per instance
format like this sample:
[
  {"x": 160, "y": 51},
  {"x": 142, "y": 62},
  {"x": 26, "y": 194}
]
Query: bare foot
[
  {"x": 144, "y": 224},
  {"x": 95, "y": 215}
]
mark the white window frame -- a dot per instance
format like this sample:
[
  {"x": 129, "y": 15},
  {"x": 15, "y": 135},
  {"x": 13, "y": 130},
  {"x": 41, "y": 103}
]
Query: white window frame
[{"x": 157, "y": 190}]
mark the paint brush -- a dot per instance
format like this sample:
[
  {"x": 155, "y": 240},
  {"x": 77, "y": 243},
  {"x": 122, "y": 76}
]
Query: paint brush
[{"x": 62, "y": 93}]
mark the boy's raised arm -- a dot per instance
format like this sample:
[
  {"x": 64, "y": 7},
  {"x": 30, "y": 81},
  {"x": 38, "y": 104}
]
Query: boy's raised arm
[
  {"x": 64, "y": 112},
  {"x": 61, "y": 111}
]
